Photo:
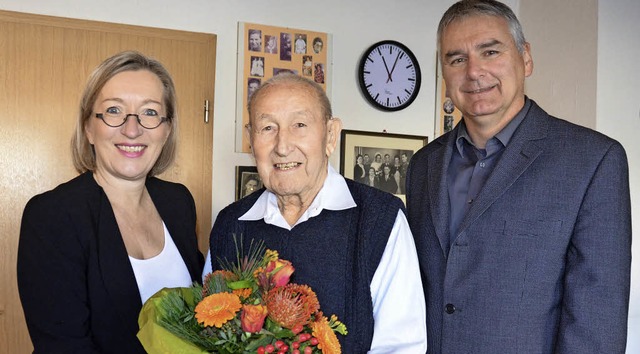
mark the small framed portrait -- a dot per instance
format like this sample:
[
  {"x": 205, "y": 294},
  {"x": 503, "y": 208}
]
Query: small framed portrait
[
  {"x": 247, "y": 181},
  {"x": 300, "y": 44},
  {"x": 317, "y": 45},
  {"x": 285, "y": 46},
  {"x": 318, "y": 73},
  {"x": 257, "y": 66},
  {"x": 255, "y": 40},
  {"x": 307, "y": 63},
  {"x": 271, "y": 46}
]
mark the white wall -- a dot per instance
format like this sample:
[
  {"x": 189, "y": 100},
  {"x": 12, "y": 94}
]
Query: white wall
[
  {"x": 563, "y": 86},
  {"x": 619, "y": 114},
  {"x": 355, "y": 25}
]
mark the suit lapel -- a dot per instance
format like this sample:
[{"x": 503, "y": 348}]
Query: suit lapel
[
  {"x": 438, "y": 190},
  {"x": 115, "y": 267},
  {"x": 522, "y": 151}
]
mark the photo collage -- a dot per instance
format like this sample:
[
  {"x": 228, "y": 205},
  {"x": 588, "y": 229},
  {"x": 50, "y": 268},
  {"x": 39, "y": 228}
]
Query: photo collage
[{"x": 270, "y": 50}]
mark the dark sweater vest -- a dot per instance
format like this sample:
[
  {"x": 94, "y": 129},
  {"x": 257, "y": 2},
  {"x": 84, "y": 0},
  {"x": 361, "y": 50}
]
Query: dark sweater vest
[{"x": 336, "y": 253}]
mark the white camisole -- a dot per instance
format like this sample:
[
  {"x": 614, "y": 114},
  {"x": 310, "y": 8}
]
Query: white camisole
[{"x": 166, "y": 270}]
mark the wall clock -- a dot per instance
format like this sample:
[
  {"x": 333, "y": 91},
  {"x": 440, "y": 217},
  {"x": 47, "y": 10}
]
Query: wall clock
[{"x": 389, "y": 75}]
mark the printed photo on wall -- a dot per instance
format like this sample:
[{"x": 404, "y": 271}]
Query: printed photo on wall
[
  {"x": 447, "y": 115},
  {"x": 269, "y": 50},
  {"x": 247, "y": 181},
  {"x": 379, "y": 160}
]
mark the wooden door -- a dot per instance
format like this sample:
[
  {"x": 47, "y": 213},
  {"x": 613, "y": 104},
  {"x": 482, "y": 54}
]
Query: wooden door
[{"x": 44, "y": 64}]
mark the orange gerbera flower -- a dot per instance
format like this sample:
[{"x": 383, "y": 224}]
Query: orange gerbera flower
[
  {"x": 217, "y": 309},
  {"x": 327, "y": 339},
  {"x": 292, "y": 305}
]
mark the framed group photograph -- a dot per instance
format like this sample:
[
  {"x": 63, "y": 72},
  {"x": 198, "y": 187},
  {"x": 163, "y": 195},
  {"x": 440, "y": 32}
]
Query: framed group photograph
[
  {"x": 247, "y": 181},
  {"x": 378, "y": 159}
]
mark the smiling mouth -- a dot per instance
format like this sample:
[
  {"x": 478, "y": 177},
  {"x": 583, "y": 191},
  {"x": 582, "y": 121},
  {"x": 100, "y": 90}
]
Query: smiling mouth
[
  {"x": 481, "y": 90},
  {"x": 128, "y": 148},
  {"x": 286, "y": 166}
]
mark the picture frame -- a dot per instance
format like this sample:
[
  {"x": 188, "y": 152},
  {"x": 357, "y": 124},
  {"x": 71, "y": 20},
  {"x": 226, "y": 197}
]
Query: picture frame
[
  {"x": 247, "y": 181},
  {"x": 354, "y": 143},
  {"x": 265, "y": 51},
  {"x": 447, "y": 115}
]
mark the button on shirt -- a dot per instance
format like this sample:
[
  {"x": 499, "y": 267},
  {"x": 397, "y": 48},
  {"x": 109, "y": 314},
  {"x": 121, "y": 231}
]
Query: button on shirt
[
  {"x": 470, "y": 167},
  {"x": 396, "y": 288}
]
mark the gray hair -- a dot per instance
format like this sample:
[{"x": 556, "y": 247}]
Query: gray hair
[
  {"x": 288, "y": 78},
  {"x": 468, "y": 8}
]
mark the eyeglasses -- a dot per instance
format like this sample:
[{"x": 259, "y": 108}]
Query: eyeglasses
[{"x": 148, "y": 120}]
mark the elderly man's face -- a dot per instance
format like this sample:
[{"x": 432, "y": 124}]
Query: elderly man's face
[{"x": 291, "y": 140}]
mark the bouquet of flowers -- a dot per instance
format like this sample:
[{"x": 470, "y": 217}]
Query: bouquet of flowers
[{"x": 247, "y": 307}]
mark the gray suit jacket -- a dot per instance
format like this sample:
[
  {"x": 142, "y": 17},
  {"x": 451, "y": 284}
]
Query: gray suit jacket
[{"x": 542, "y": 260}]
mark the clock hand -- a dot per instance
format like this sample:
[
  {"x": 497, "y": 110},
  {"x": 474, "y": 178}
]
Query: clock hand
[
  {"x": 386, "y": 68},
  {"x": 394, "y": 67}
]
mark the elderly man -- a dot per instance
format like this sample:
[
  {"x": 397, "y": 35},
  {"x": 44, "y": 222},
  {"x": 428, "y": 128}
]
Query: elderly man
[
  {"x": 349, "y": 242},
  {"x": 522, "y": 221}
]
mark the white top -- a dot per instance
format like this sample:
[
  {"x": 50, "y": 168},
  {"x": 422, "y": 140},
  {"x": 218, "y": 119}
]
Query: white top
[
  {"x": 396, "y": 289},
  {"x": 166, "y": 270}
]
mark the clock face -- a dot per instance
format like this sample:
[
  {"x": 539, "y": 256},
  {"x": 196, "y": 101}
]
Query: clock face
[{"x": 389, "y": 75}]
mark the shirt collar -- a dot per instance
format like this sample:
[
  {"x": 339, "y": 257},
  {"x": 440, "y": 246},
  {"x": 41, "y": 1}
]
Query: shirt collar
[
  {"x": 503, "y": 136},
  {"x": 334, "y": 195}
]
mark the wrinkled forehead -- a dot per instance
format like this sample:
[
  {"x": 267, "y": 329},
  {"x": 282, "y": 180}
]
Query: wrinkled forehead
[{"x": 267, "y": 95}]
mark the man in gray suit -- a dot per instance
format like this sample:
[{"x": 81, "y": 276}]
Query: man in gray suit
[{"x": 522, "y": 221}]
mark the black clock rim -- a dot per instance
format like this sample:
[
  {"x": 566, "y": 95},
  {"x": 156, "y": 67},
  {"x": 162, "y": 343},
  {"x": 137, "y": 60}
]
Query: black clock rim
[{"x": 363, "y": 87}]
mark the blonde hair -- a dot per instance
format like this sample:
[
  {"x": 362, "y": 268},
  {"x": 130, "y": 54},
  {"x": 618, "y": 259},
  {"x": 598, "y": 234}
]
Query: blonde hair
[{"x": 84, "y": 157}]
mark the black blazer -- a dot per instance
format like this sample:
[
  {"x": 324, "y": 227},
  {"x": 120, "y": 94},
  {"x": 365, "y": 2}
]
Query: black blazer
[{"x": 77, "y": 286}]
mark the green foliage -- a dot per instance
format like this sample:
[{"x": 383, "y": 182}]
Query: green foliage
[
  {"x": 177, "y": 316},
  {"x": 215, "y": 283},
  {"x": 245, "y": 265}
]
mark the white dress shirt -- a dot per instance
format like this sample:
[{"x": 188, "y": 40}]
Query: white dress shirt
[{"x": 396, "y": 289}]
